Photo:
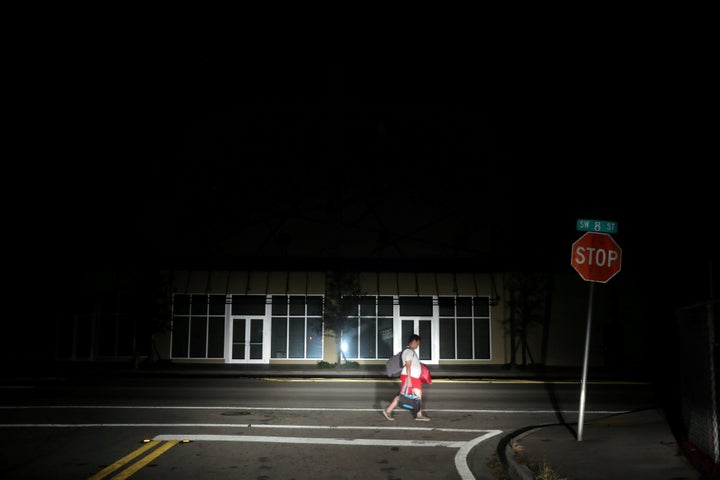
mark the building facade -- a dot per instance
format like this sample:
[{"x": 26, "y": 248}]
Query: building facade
[
  {"x": 282, "y": 317},
  {"x": 278, "y": 317}
]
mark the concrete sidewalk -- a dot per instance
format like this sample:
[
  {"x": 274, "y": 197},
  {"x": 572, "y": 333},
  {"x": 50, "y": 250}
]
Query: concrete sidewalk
[{"x": 637, "y": 445}]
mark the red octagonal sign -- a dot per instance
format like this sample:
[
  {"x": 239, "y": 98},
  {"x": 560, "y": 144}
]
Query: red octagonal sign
[{"x": 596, "y": 257}]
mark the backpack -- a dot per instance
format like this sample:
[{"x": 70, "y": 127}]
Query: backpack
[{"x": 394, "y": 364}]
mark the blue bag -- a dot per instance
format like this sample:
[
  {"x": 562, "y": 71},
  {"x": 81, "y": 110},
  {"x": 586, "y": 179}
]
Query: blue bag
[{"x": 407, "y": 400}]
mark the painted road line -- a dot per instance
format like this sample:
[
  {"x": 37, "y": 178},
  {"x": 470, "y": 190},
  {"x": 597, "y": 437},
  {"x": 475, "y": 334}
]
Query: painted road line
[
  {"x": 503, "y": 381},
  {"x": 256, "y": 426},
  {"x": 289, "y": 409},
  {"x": 311, "y": 440},
  {"x": 115, "y": 465},
  {"x": 464, "y": 447},
  {"x": 461, "y": 464},
  {"x": 243, "y": 425},
  {"x": 145, "y": 460}
]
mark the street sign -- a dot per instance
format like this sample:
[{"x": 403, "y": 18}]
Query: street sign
[
  {"x": 600, "y": 226},
  {"x": 596, "y": 257}
]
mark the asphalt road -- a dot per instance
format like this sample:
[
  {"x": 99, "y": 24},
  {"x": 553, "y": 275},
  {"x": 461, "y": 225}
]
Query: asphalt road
[{"x": 276, "y": 428}]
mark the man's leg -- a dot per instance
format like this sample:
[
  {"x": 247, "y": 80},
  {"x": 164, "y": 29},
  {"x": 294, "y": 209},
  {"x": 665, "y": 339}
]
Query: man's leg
[
  {"x": 418, "y": 392},
  {"x": 388, "y": 412}
]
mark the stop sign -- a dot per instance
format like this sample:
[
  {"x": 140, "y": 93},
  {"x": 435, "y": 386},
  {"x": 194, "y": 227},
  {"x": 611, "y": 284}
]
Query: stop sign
[{"x": 596, "y": 257}]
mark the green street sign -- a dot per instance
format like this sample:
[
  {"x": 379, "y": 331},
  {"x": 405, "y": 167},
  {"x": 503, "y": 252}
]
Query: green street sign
[{"x": 600, "y": 226}]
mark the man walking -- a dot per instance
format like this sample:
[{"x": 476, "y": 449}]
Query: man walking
[{"x": 410, "y": 373}]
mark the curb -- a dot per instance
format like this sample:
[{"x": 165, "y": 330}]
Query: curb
[{"x": 515, "y": 470}]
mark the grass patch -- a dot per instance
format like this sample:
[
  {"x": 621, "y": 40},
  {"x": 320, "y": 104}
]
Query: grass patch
[
  {"x": 495, "y": 466},
  {"x": 544, "y": 472}
]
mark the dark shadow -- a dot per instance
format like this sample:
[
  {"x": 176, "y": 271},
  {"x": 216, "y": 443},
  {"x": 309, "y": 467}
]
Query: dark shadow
[{"x": 506, "y": 440}]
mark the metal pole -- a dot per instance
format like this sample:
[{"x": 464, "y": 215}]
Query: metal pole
[{"x": 585, "y": 364}]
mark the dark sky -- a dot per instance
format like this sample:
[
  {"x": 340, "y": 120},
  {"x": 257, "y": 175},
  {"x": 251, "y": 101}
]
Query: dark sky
[{"x": 204, "y": 156}]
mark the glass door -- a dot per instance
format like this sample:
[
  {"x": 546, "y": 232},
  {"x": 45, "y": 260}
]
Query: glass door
[
  {"x": 424, "y": 328},
  {"x": 247, "y": 340}
]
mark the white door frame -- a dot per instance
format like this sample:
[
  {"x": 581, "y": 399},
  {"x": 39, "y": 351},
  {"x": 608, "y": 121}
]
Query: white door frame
[
  {"x": 434, "y": 333},
  {"x": 248, "y": 330}
]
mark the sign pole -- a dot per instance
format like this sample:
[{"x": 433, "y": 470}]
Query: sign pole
[
  {"x": 597, "y": 258},
  {"x": 585, "y": 365}
]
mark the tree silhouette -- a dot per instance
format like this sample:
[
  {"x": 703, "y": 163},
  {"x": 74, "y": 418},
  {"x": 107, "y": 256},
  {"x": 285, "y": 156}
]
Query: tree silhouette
[
  {"x": 342, "y": 291},
  {"x": 528, "y": 304}
]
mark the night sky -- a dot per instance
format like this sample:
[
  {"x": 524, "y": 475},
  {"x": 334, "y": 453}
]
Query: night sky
[{"x": 207, "y": 159}]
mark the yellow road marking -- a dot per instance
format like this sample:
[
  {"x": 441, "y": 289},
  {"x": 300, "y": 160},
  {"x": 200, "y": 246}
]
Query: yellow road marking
[
  {"x": 115, "y": 465},
  {"x": 450, "y": 380},
  {"x": 141, "y": 463}
]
